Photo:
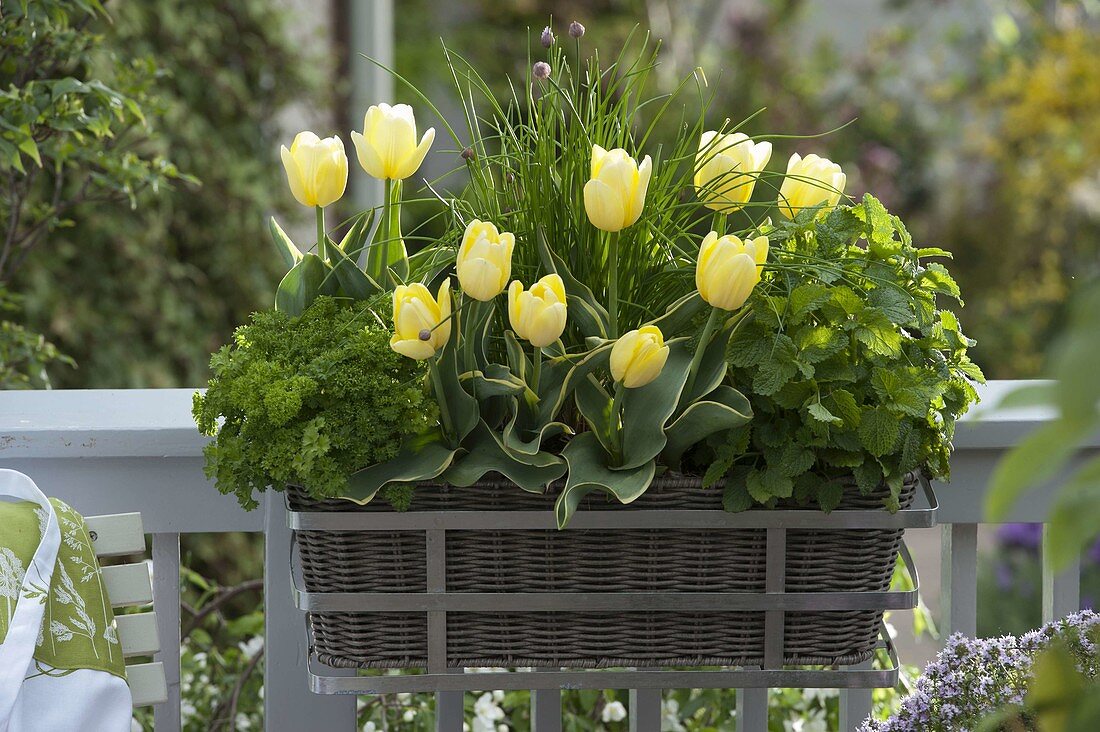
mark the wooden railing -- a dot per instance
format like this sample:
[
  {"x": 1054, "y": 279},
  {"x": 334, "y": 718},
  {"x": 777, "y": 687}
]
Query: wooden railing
[{"x": 108, "y": 451}]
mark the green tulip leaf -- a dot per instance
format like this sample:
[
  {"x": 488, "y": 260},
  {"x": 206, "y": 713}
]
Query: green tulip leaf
[
  {"x": 589, "y": 471},
  {"x": 460, "y": 404},
  {"x": 562, "y": 374},
  {"x": 594, "y": 404},
  {"x": 585, "y": 310},
  {"x": 712, "y": 368},
  {"x": 513, "y": 434},
  {"x": 647, "y": 408},
  {"x": 517, "y": 359},
  {"x": 486, "y": 453},
  {"x": 725, "y": 408},
  {"x": 302, "y": 284},
  {"x": 681, "y": 314},
  {"x": 352, "y": 281},
  {"x": 421, "y": 458},
  {"x": 289, "y": 253},
  {"x": 496, "y": 380},
  {"x": 355, "y": 240}
]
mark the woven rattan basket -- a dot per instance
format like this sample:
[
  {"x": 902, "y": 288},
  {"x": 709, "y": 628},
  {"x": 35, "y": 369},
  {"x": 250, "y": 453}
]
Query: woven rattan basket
[{"x": 579, "y": 560}]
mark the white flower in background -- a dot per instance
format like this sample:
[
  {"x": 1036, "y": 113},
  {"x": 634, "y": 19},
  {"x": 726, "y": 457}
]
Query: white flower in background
[
  {"x": 498, "y": 696},
  {"x": 813, "y": 722},
  {"x": 243, "y": 722},
  {"x": 614, "y": 712},
  {"x": 821, "y": 696},
  {"x": 187, "y": 710},
  {"x": 891, "y": 631},
  {"x": 670, "y": 716},
  {"x": 369, "y": 727},
  {"x": 486, "y": 714},
  {"x": 135, "y": 726},
  {"x": 253, "y": 646},
  {"x": 404, "y": 697},
  {"x": 502, "y": 728},
  {"x": 409, "y": 715}
]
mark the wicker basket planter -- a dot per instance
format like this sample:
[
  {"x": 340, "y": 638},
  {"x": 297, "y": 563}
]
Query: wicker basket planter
[{"x": 479, "y": 577}]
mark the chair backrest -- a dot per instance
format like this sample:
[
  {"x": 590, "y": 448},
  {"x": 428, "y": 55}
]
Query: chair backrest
[{"x": 130, "y": 585}]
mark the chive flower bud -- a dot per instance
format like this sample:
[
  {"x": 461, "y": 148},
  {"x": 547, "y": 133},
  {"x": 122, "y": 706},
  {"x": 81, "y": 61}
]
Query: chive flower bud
[
  {"x": 576, "y": 30},
  {"x": 542, "y": 70},
  {"x": 547, "y": 37}
]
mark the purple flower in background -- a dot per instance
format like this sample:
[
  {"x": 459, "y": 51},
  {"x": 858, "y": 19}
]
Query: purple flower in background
[{"x": 1021, "y": 536}]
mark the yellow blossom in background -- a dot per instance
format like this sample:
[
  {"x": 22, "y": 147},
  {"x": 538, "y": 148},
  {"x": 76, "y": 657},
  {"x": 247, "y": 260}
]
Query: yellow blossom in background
[
  {"x": 810, "y": 181},
  {"x": 726, "y": 169},
  {"x": 538, "y": 315},
  {"x": 729, "y": 268},
  {"x": 421, "y": 324},
  {"x": 638, "y": 356},
  {"x": 316, "y": 169},
  {"x": 484, "y": 261},
  {"x": 615, "y": 195},
  {"x": 388, "y": 149}
]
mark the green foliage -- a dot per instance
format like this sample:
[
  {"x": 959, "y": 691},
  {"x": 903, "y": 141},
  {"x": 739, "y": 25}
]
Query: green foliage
[
  {"x": 848, "y": 362},
  {"x": 140, "y": 297},
  {"x": 24, "y": 356},
  {"x": 308, "y": 400}
]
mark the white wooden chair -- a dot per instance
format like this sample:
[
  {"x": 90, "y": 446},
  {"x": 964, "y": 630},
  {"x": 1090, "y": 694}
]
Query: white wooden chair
[{"x": 131, "y": 585}]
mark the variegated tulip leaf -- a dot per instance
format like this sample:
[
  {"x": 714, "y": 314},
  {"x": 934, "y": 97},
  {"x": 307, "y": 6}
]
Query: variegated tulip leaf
[
  {"x": 723, "y": 409},
  {"x": 594, "y": 404},
  {"x": 486, "y": 453},
  {"x": 351, "y": 281},
  {"x": 680, "y": 315},
  {"x": 289, "y": 253},
  {"x": 647, "y": 408},
  {"x": 461, "y": 406},
  {"x": 302, "y": 284},
  {"x": 712, "y": 368},
  {"x": 496, "y": 380},
  {"x": 589, "y": 471},
  {"x": 421, "y": 458},
  {"x": 585, "y": 310},
  {"x": 356, "y": 238}
]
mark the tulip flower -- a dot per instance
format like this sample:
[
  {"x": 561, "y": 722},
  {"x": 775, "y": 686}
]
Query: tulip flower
[
  {"x": 316, "y": 169},
  {"x": 538, "y": 315},
  {"x": 729, "y": 268},
  {"x": 726, "y": 169},
  {"x": 387, "y": 149},
  {"x": 615, "y": 195},
  {"x": 810, "y": 181},
  {"x": 484, "y": 261},
  {"x": 422, "y": 325},
  {"x": 638, "y": 356}
]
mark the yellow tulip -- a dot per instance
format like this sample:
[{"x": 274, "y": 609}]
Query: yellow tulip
[
  {"x": 638, "y": 356},
  {"x": 726, "y": 169},
  {"x": 538, "y": 315},
  {"x": 729, "y": 268},
  {"x": 810, "y": 180},
  {"x": 316, "y": 169},
  {"x": 615, "y": 195},
  {"x": 484, "y": 261},
  {"x": 387, "y": 149},
  {"x": 421, "y": 324}
]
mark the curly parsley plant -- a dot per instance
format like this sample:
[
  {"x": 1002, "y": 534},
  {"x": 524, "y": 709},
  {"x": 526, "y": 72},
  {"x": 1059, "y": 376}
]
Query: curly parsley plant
[{"x": 308, "y": 400}]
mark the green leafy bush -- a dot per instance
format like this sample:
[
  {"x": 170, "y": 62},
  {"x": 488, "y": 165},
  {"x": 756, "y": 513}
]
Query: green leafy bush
[
  {"x": 308, "y": 400},
  {"x": 848, "y": 361}
]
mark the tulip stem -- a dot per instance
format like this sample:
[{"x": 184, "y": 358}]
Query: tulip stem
[
  {"x": 441, "y": 399},
  {"x": 704, "y": 340},
  {"x": 720, "y": 223},
  {"x": 616, "y": 411},
  {"x": 322, "y": 247},
  {"x": 470, "y": 318},
  {"x": 613, "y": 284},
  {"x": 387, "y": 218},
  {"x": 536, "y": 371}
]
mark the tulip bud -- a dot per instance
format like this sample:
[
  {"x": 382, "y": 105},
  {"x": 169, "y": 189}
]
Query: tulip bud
[
  {"x": 810, "y": 181},
  {"x": 576, "y": 30},
  {"x": 316, "y": 169},
  {"x": 422, "y": 325},
  {"x": 728, "y": 269},
  {"x": 538, "y": 315},
  {"x": 547, "y": 37},
  {"x": 541, "y": 70},
  {"x": 387, "y": 149},
  {"x": 484, "y": 261},
  {"x": 638, "y": 356},
  {"x": 726, "y": 169},
  {"x": 615, "y": 195}
]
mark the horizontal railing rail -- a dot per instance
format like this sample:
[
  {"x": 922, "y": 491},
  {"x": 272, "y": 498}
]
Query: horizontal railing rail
[{"x": 118, "y": 451}]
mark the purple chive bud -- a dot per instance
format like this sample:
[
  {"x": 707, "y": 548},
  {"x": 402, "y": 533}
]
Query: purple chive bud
[
  {"x": 542, "y": 70},
  {"x": 468, "y": 154},
  {"x": 547, "y": 37},
  {"x": 576, "y": 30},
  {"x": 425, "y": 335}
]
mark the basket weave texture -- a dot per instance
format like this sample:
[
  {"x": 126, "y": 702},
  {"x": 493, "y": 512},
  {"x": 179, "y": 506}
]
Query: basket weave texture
[{"x": 638, "y": 560}]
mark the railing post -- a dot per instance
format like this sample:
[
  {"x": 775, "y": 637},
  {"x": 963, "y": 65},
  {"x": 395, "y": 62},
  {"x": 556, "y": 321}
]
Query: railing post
[
  {"x": 855, "y": 704},
  {"x": 546, "y": 709},
  {"x": 448, "y": 704},
  {"x": 288, "y": 702},
  {"x": 959, "y": 578},
  {"x": 166, "y": 602},
  {"x": 752, "y": 710},
  {"x": 1062, "y": 590},
  {"x": 644, "y": 714}
]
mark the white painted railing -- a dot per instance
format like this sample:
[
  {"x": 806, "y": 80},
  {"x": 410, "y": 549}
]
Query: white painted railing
[{"x": 108, "y": 451}]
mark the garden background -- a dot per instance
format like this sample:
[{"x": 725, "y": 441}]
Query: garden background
[{"x": 974, "y": 120}]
